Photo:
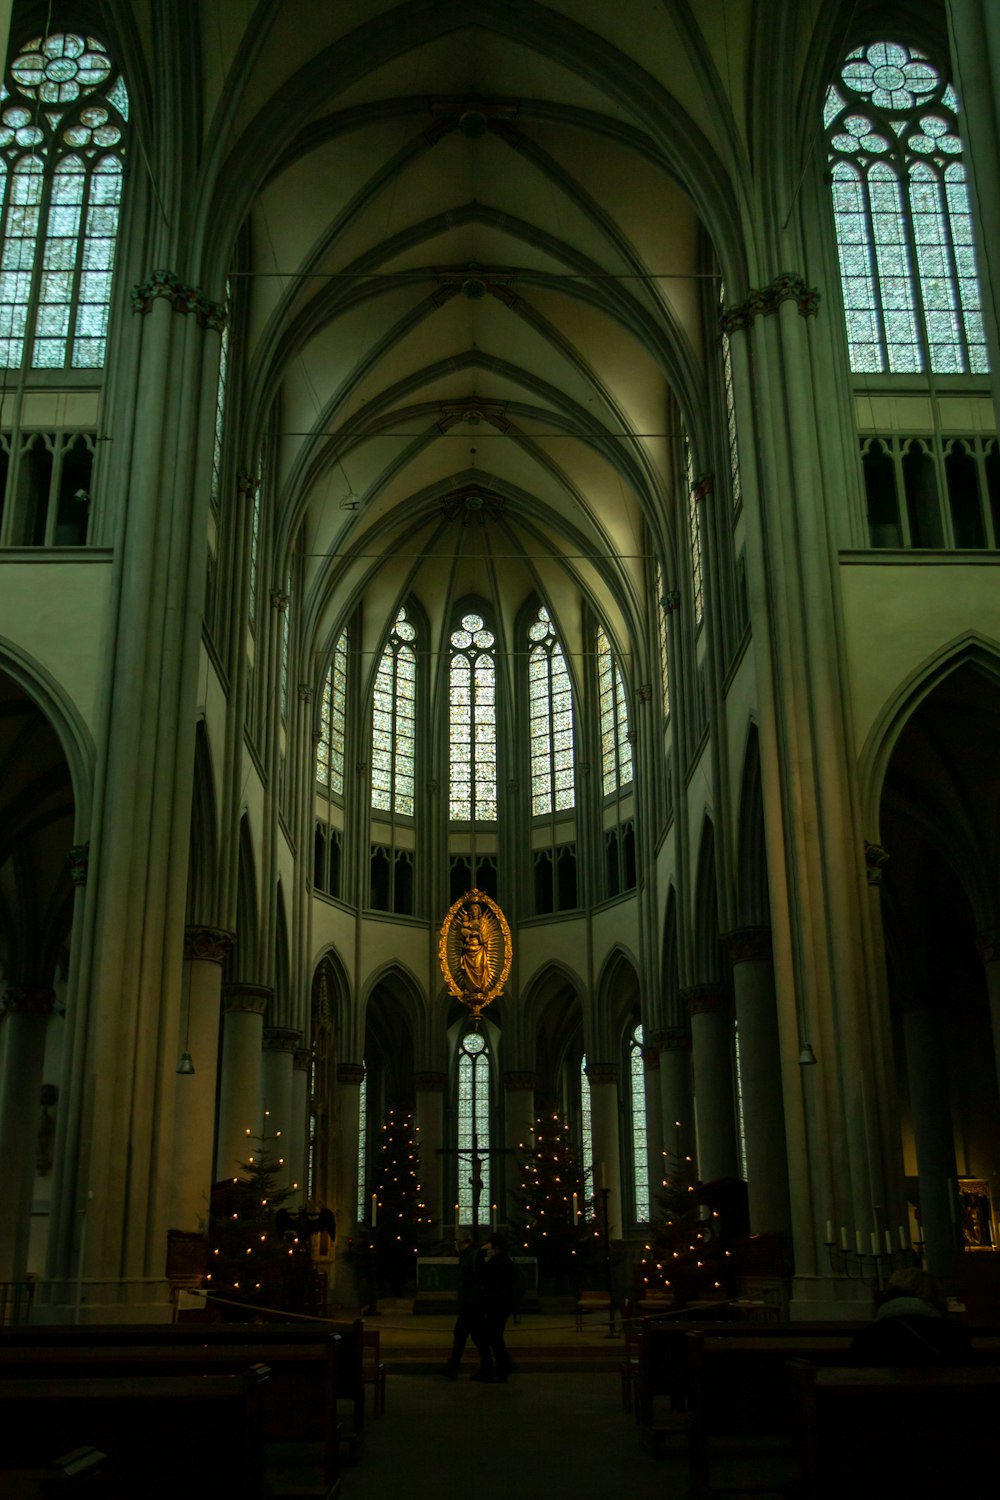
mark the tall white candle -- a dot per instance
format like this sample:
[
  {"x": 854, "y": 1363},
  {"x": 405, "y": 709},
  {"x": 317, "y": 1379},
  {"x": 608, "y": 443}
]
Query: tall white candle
[
  {"x": 829, "y": 1231},
  {"x": 857, "y": 1236},
  {"x": 902, "y": 1238},
  {"x": 374, "y": 1209},
  {"x": 843, "y": 1237},
  {"x": 874, "y": 1243}
]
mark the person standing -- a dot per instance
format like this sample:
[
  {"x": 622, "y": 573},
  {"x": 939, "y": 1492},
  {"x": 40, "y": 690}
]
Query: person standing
[
  {"x": 469, "y": 1324},
  {"x": 498, "y": 1283}
]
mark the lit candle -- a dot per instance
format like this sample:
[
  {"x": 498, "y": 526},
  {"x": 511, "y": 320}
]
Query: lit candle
[
  {"x": 374, "y": 1210},
  {"x": 494, "y": 1216},
  {"x": 843, "y": 1237},
  {"x": 829, "y": 1231},
  {"x": 576, "y": 1211}
]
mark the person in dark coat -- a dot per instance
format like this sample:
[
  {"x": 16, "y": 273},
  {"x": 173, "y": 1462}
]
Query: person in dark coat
[
  {"x": 498, "y": 1287},
  {"x": 470, "y": 1323},
  {"x": 912, "y": 1326}
]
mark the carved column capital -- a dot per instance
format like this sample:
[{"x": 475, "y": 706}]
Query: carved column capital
[
  {"x": 430, "y": 1082},
  {"x": 281, "y": 1039},
  {"x": 521, "y": 1078},
  {"x": 248, "y": 999},
  {"x": 707, "y": 999},
  {"x": 209, "y": 944},
  {"x": 301, "y": 1060},
  {"x": 745, "y": 944},
  {"x": 29, "y": 1000},
  {"x": 875, "y": 858},
  {"x": 350, "y": 1073},
  {"x": 703, "y": 485},
  {"x": 79, "y": 863},
  {"x": 279, "y": 600},
  {"x": 761, "y": 301},
  {"x": 182, "y": 299},
  {"x": 672, "y": 1039},
  {"x": 602, "y": 1072},
  {"x": 671, "y": 601}
]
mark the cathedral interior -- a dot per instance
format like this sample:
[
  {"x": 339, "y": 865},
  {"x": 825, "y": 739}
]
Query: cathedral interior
[{"x": 540, "y": 450}]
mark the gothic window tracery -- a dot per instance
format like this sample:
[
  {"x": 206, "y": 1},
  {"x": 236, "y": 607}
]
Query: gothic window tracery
[
  {"x": 616, "y": 744},
  {"x": 332, "y": 719},
  {"x": 902, "y": 216},
  {"x": 550, "y": 716},
  {"x": 63, "y": 118},
  {"x": 473, "y": 1090},
  {"x": 473, "y": 723},
  {"x": 394, "y": 721},
  {"x": 637, "y": 1121}
]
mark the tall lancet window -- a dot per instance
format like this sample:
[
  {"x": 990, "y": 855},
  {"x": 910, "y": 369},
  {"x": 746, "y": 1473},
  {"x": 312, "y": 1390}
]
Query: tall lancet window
[
  {"x": 637, "y": 1111},
  {"x": 473, "y": 1126},
  {"x": 901, "y": 210},
  {"x": 473, "y": 735},
  {"x": 394, "y": 721},
  {"x": 332, "y": 719},
  {"x": 550, "y": 719},
  {"x": 63, "y": 116},
  {"x": 661, "y": 620},
  {"x": 586, "y": 1121},
  {"x": 735, "y": 483},
  {"x": 694, "y": 538},
  {"x": 616, "y": 745}
]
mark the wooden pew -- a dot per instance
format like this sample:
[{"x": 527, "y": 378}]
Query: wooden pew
[
  {"x": 164, "y": 1435},
  {"x": 873, "y": 1432},
  {"x": 662, "y": 1380},
  {"x": 298, "y": 1412},
  {"x": 350, "y": 1383}
]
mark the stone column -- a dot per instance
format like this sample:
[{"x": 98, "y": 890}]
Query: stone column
[
  {"x": 347, "y": 1148},
  {"x": 429, "y": 1119},
  {"x": 676, "y": 1096},
  {"x": 205, "y": 950},
  {"x": 279, "y": 1044},
  {"x": 749, "y": 951},
  {"x": 521, "y": 1112},
  {"x": 240, "y": 1115},
  {"x": 25, "y": 1018},
  {"x": 711, "y": 1006},
  {"x": 299, "y": 1150},
  {"x": 604, "y": 1124},
  {"x": 989, "y": 948},
  {"x": 655, "y": 1159},
  {"x": 934, "y": 1138}
]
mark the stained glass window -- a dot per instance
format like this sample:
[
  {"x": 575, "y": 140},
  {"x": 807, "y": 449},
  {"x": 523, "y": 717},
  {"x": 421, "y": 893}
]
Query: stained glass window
[
  {"x": 637, "y": 1112},
  {"x": 694, "y": 538},
  {"x": 473, "y": 1124},
  {"x": 220, "y": 408},
  {"x": 332, "y": 719},
  {"x": 63, "y": 118},
  {"x": 616, "y": 746},
  {"x": 473, "y": 729},
  {"x": 394, "y": 721},
  {"x": 661, "y": 617},
  {"x": 740, "y": 1117},
  {"x": 550, "y": 720},
  {"x": 901, "y": 211},
  {"x": 586, "y": 1119},
  {"x": 255, "y": 541},
  {"x": 362, "y": 1153},
  {"x": 735, "y": 483},
  {"x": 286, "y": 635}
]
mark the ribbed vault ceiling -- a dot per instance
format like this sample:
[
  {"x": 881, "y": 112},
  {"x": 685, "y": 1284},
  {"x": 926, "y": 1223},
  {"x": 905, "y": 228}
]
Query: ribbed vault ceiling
[{"x": 472, "y": 241}]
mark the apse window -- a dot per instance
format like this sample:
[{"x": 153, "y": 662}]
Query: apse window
[
  {"x": 550, "y": 720},
  {"x": 473, "y": 723},
  {"x": 616, "y": 741},
  {"x": 63, "y": 119},
  {"x": 332, "y": 719},
  {"x": 394, "y": 721},
  {"x": 902, "y": 216}
]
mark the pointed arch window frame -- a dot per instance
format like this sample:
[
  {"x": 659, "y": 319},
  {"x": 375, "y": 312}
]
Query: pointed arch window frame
[
  {"x": 550, "y": 720},
  {"x": 617, "y": 768},
  {"x": 394, "y": 721},
  {"x": 473, "y": 750}
]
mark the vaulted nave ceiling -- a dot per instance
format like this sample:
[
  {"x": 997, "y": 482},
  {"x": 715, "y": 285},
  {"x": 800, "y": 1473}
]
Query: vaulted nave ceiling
[{"x": 475, "y": 258}]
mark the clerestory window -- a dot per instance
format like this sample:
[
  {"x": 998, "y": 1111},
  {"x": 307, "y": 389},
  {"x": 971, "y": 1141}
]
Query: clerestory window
[
  {"x": 332, "y": 719},
  {"x": 550, "y": 719},
  {"x": 63, "y": 117},
  {"x": 394, "y": 721},
  {"x": 473, "y": 723},
  {"x": 616, "y": 744},
  {"x": 903, "y": 223}
]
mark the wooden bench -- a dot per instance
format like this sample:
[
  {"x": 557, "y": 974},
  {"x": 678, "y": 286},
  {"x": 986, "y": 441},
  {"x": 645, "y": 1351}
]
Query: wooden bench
[
  {"x": 350, "y": 1384},
  {"x": 298, "y": 1412},
  {"x": 874, "y": 1432},
  {"x": 164, "y": 1436}
]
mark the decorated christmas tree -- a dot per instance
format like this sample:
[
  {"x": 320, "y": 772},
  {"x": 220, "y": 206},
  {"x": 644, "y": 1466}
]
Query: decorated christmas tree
[
  {"x": 398, "y": 1216},
  {"x": 553, "y": 1200},
  {"x": 686, "y": 1254},
  {"x": 251, "y": 1260}
]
